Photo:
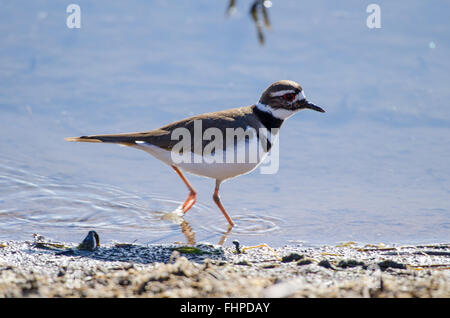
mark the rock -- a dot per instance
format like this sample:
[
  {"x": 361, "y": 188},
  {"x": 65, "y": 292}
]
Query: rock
[
  {"x": 390, "y": 264},
  {"x": 243, "y": 262},
  {"x": 325, "y": 263},
  {"x": 291, "y": 258},
  {"x": 351, "y": 263},
  {"x": 90, "y": 242},
  {"x": 305, "y": 261}
]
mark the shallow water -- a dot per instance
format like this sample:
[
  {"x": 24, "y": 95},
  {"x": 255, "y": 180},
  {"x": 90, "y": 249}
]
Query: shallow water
[{"x": 374, "y": 168}]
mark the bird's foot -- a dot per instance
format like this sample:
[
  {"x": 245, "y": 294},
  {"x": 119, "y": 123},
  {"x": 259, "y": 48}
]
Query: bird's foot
[{"x": 190, "y": 201}]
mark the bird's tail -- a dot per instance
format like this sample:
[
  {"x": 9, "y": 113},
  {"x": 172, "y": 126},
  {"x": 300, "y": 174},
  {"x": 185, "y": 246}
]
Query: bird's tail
[
  {"x": 123, "y": 139},
  {"x": 83, "y": 139}
]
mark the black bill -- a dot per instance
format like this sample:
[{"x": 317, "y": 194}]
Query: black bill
[{"x": 313, "y": 107}]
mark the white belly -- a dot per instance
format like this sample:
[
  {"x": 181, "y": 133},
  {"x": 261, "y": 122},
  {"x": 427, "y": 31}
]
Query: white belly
[{"x": 209, "y": 166}]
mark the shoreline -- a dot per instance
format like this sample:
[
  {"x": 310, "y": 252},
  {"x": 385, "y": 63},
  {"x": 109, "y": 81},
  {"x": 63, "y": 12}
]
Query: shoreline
[{"x": 48, "y": 269}]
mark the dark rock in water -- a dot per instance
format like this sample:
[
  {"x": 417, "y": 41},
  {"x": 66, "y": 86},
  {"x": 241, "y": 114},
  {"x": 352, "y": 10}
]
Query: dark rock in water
[
  {"x": 237, "y": 245},
  {"x": 90, "y": 242},
  {"x": 291, "y": 258}
]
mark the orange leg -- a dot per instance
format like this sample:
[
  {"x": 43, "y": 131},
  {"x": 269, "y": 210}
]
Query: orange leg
[
  {"x": 216, "y": 199},
  {"x": 190, "y": 201}
]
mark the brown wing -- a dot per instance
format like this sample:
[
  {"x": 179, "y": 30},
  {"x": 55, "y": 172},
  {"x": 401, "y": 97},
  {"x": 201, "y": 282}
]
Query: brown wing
[{"x": 162, "y": 137}]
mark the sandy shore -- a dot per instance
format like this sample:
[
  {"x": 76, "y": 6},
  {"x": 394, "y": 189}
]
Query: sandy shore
[{"x": 45, "y": 269}]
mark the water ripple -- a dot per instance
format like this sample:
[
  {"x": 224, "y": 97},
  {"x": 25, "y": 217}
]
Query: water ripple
[{"x": 32, "y": 203}]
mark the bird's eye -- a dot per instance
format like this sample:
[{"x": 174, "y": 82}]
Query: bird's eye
[{"x": 289, "y": 97}]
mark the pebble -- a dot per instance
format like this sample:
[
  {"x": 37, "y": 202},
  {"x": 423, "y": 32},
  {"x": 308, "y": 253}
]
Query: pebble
[{"x": 52, "y": 269}]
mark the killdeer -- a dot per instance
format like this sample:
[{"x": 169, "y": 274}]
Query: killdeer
[{"x": 279, "y": 101}]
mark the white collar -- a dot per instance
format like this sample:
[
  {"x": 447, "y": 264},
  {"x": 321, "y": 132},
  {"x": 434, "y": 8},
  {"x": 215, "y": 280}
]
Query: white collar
[{"x": 279, "y": 113}]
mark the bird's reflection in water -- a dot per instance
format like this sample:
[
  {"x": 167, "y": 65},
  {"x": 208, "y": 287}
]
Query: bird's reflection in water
[
  {"x": 259, "y": 7},
  {"x": 187, "y": 230}
]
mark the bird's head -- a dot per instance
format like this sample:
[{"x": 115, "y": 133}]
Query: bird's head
[{"x": 285, "y": 98}]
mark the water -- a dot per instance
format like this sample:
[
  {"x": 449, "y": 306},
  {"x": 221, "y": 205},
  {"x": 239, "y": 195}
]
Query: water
[{"x": 374, "y": 168}]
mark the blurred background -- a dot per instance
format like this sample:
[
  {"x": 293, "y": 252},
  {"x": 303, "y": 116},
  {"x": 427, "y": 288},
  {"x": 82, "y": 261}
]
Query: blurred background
[{"x": 375, "y": 168}]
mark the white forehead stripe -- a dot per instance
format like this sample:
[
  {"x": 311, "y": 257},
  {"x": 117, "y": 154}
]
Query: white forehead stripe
[
  {"x": 300, "y": 96},
  {"x": 281, "y": 93}
]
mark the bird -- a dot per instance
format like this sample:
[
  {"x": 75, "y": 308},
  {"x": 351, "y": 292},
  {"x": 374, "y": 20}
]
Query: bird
[{"x": 201, "y": 144}]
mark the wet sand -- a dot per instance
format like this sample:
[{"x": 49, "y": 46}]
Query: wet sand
[{"x": 48, "y": 269}]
